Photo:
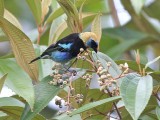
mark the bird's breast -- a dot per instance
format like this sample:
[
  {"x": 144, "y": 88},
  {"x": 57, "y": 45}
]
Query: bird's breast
[{"x": 61, "y": 57}]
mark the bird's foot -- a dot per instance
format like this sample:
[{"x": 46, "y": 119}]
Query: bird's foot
[{"x": 74, "y": 72}]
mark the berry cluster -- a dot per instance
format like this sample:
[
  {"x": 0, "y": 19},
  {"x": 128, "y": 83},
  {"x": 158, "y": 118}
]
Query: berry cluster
[
  {"x": 106, "y": 80},
  {"x": 88, "y": 78},
  {"x": 60, "y": 78},
  {"x": 78, "y": 98}
]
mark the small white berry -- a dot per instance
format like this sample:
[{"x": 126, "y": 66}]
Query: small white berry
[
  {"x": 125, "y": 65},
  {"x": 64, "y": 82},
  {"x": 86, "y": 54},
  {"x": 103, "y": 76},
  {"x": 61, "y": 86},
  {"x": 81, "y": 49},
  {"x": 100, "y": 68},
  {"x": 84, "y": 77},
  {"x": 78, "y": 95},
  {"x": 79, "y": 57}
]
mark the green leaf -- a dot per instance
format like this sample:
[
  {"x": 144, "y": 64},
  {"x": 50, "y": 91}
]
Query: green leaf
[
  {"x": 124, "y": 114},
  {"x": 56, "y": 27},
  {"x": 44, "y": 92},
  {"x": 45, "y": 7},
  {"x": 87, "y": 19},
  {"x": 9, "y": 55},
  {"x": 151, "y": 62},
  {"x": 94, "y": 104},
  {"x": 153, "y": 116},
  {"x": 2, "y": 114},
  {"x": 95, "y": 6},
  {"x": 136, "y": 91},
  {"x": 39, "y": 117},
  {"x": 2, "y": 79},
  {"x": 59, "y": 11},
  {"x": 140, "y": 22},
  {"x": 45, "y": 65},
  {"x": 3, "y": 37},
  {"x": 152, "y": 104},
  {"x": 17, "y": 80},
  {"x": 147, "y": 117},
  {"x": 13, "y": 111},
  {"x": 35, "y": 6},
  {"x": 72, "y": 15},
  {"x": 57, "y": 32},
  {"x": 96, "y": 95},
  {"x": 80, "y": 13},
  {"x": 114, "y": 69},
  {"x": 12, "y": 19},
  {"x": 1, "y": 7},
  {"x": 137, "y": 5},
  {"x": 6, "y": 118},
  {"x": 152, "y": 9},
  {"x": 125, "y": 34},
  {"x": 128, "y": 38},
  {"x": 67, "y": 117},
  {"x": 96, "y": 26},
  {"x": 55, "y": 14},
  {"x": 9, "y": 101},
  {"x": 22, "y": 47},
  {"x": 117, "y": 51},
  {"x": 158, "y": 112}
]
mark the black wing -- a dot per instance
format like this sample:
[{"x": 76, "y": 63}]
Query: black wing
[
  {"x": 77, "y": 43},
  {"x": 68, "y": 39},
  {"x": 53, "y": 48}
]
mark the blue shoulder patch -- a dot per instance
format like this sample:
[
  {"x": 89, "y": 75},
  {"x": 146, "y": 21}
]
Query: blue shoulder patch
[{"x": 65, "y": 46}]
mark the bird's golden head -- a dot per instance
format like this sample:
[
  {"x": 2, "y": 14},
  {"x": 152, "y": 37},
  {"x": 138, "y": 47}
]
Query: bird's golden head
[
  {"x": 85, "y": 36},
  {"x": 90, "y": 40}
]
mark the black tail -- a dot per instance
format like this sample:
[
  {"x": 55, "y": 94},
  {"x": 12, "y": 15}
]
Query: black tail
[{"x": 35, "y": 60}]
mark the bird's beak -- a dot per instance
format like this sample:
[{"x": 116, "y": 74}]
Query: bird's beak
[{"x": 95, "y": 49}]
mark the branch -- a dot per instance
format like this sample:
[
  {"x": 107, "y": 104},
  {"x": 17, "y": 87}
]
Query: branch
[
  {"x": 114, "y": 13},
  {"x": 156, "y": 95},
  {"x": 114, "y": 104}
]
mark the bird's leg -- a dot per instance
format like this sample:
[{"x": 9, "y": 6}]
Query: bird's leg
[
  {"x": 74, "y": 72},
  {"x": 72, "y": 63},
  {"x": 67, "y": 69}
]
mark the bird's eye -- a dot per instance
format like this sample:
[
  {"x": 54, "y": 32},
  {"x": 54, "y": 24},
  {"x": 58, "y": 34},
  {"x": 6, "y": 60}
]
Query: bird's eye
[{"x": 94, "y": 44}]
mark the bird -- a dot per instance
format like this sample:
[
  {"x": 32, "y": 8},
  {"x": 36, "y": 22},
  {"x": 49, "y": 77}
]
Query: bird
[{"x": 69, "y": 47}]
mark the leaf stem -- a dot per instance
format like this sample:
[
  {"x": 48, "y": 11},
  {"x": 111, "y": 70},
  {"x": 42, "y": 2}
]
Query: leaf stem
[
  {"x": 95, "y": 67},
  {"x": 140, "y": 69},
  {"x": 156, "y": 95},
  {"x": 69, "y": 92},
  {"x": 40, "y": 31},
  {"x": 92, "y": 64},
  {"x": 114, "y": 104}
]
